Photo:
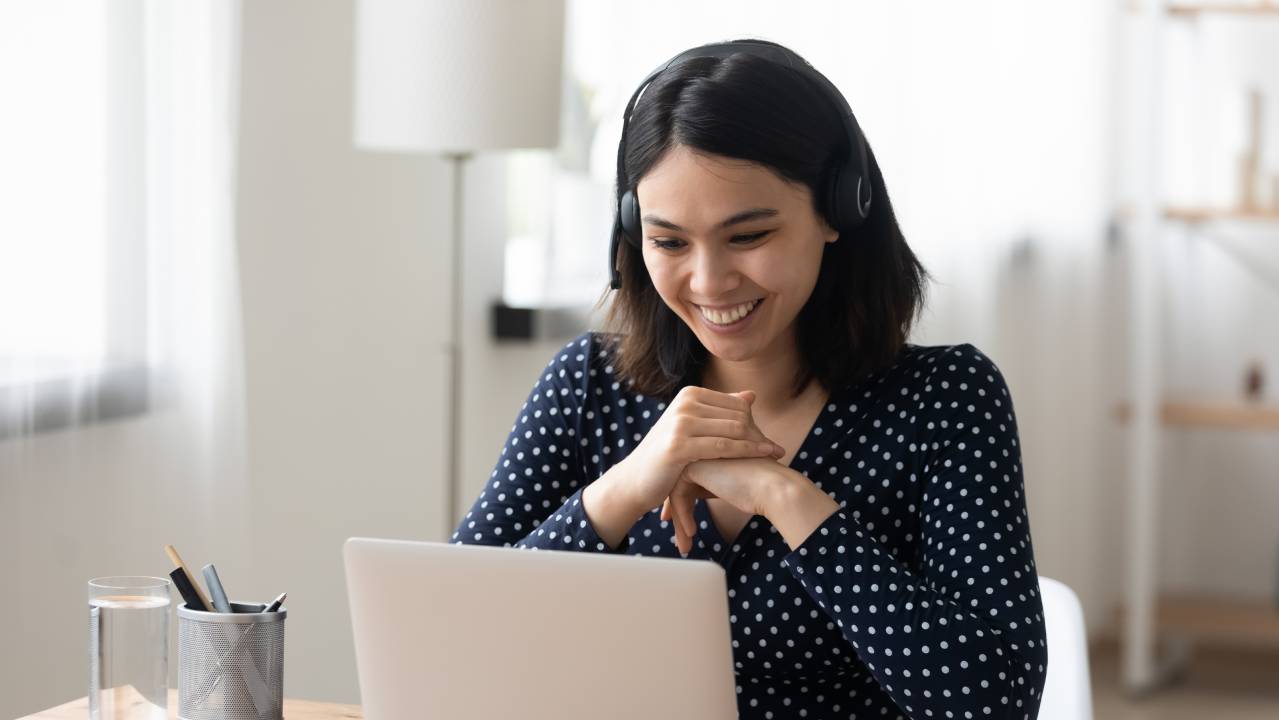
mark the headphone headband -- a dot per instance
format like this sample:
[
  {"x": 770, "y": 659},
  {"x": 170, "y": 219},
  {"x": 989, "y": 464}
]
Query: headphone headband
[{"x": 845, "y": 186}]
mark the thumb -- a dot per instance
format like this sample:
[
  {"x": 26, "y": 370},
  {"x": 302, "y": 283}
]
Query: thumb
[{"x": 747, "y": 395}]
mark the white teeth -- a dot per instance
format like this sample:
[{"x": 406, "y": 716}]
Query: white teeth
[{"x": 729, "y": 316}]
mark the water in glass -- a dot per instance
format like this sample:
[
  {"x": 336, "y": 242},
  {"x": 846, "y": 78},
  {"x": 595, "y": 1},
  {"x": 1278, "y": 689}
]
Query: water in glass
[{"x": 128, "y": 656}]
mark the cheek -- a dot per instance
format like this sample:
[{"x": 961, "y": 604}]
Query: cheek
[
  {"x": 664, "y": 281},
  {"x": 781, "y": 270}
]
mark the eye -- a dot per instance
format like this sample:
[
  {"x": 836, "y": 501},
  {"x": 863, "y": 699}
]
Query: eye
[
  {"x": 665, "y": 244},
  {"x": 739, "y": 239},
  {"x": 745, "y": 239}
]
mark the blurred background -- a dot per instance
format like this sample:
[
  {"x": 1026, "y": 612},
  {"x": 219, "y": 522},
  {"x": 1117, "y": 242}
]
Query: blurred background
[{"x": 260, "y": 291}]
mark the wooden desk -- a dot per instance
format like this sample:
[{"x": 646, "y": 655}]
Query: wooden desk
[{"x": 293, "y": 710}]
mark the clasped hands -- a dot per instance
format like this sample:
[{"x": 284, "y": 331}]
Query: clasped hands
[{"x": 706, "y": 445}]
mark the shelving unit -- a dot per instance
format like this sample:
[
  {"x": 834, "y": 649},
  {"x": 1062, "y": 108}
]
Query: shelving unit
[
  {"x": 1197, "y": 216},
  {"x": 1189, "y": 10},
  {"x": 1220, "y": 621},
  {"x": 1147, "y": 615},
  {"x": 1226, "y": 416}
]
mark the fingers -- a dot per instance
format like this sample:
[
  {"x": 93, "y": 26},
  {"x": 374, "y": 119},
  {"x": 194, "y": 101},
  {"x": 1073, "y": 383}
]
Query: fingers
[
  {"x": 715, "y": 420},
  {"x": 684, "y": 510},
  {"x": 679, "y": 508},
  {"x": 683, "y": 531},
  {"x": 734, "y": 429},
  {"x": 713, "y": 448},
  {"x": 740, "y": 401},
  {"x": 737, "y": 428},
  {"x": 685, "y": 523},
  {"x": 717, "y": 412}
]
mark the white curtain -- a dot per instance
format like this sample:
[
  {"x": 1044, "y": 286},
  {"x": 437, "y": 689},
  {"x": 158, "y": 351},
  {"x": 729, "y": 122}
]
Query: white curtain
[
  {"x": 192, "y": 82},
  {"x": 117, "y": 272},
  {"x": 121, "y": 392}
]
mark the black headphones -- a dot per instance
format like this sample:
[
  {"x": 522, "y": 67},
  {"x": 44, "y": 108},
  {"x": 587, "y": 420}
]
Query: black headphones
[{"x": 844, "y": 187}]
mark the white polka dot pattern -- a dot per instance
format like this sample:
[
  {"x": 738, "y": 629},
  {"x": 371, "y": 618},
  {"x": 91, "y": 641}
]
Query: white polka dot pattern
[{"x": 919, "y": 598}]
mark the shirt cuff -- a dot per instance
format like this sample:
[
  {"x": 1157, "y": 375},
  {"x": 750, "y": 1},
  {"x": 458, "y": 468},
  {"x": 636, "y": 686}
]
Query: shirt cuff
[
  {"x": 569, "y": 528},
  {"x": 816, "y": 547}
]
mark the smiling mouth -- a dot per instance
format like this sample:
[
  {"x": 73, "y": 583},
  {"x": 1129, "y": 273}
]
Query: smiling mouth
[{"x": 731, "y": 315}]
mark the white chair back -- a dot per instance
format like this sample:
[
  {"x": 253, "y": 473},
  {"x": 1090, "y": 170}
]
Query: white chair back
[{"x": 1067, "y": 690}]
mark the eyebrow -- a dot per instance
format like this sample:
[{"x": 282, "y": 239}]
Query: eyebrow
[{"x": 737, "y": 219}]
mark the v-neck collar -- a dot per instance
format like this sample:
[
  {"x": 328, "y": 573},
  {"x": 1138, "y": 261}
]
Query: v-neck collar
[
  {"x": 710, "y": 536},
  {"x": 702, "y": 512}
]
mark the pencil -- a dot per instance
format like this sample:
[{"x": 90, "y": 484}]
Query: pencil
[{"x": 177, "y": 560}]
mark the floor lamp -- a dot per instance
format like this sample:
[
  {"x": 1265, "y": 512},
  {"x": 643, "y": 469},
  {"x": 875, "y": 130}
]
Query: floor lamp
[{"x": 452, "y": 78}]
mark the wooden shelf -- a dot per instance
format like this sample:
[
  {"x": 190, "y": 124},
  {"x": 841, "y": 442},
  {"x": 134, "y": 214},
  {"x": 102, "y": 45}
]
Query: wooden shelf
[
  {"x": 1192, "y": 11},
  {"x": 1219, "y": 621},
  {"x": 1234, "y": 416},
  {"x": 1203, "y": 215}
]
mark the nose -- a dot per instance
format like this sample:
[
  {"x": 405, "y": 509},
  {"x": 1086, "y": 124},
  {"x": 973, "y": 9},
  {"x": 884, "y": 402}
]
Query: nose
[{"x": 714, "y": 274}]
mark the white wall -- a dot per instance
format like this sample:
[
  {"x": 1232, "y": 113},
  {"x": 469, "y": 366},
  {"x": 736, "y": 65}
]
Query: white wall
[{"x": 344, "y": 264}]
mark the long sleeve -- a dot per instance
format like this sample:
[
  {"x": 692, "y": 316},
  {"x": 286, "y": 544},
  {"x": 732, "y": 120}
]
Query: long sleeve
[
  {"x": 533, "y": 499},
  {"x": 959, "y": 633}
]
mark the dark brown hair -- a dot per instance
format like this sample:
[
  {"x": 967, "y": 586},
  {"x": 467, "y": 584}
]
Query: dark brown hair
[{"x": 870, "y": 288}]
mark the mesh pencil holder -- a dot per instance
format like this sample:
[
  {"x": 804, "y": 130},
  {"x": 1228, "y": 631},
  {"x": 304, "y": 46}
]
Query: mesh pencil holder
[{"x": 231, "y": 665}]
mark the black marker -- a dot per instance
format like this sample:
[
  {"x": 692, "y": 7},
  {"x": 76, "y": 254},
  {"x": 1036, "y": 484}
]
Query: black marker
[
  {"x": 191, "y": 579},
  {"x": 189, "y": 594}
]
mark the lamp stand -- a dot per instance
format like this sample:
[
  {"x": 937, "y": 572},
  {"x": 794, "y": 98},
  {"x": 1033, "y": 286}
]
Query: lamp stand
[{"x": 458, "y": 161}]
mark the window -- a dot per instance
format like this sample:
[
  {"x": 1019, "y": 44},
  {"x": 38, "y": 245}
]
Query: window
[{"x": 72, "y": 254}]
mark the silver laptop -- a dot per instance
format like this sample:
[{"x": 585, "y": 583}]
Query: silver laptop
[{"x": 469, "y": 631}]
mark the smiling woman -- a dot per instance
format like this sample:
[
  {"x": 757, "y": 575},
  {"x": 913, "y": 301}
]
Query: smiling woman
[
  {"x": 755, "y": 403},
  {"x": 741, "y": 163}
]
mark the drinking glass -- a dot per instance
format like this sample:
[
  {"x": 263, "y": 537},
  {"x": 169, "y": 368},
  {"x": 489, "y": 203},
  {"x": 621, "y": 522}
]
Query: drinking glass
[{"x": 128, "y": 648}]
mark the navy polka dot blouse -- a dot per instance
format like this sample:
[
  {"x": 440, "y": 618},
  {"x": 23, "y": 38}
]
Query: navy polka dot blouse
[{"x": 917, "y": 599}]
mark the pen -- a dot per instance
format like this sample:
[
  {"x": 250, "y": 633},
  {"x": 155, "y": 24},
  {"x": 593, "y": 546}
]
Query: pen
[
  {"x": 275, "y": 604},
  {"x": 215, "y": 589},
  {"x": 191, "y": 581}
]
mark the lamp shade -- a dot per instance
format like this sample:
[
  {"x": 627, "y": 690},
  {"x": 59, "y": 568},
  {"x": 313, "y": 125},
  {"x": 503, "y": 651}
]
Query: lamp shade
[{"x": 450, "y": 76}]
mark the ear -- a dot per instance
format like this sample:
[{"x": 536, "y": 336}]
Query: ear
[{"x": 829, "y": 233}]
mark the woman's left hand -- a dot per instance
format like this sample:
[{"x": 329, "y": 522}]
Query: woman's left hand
[{"x": 744, "y": 483}]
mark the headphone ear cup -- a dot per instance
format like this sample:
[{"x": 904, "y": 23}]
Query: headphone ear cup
[
  {"x": 629, "y": 215},
  {"x": 863, "y": 208},
  {"x": 614, "y": 277},
  {"x": 845, "y": 209},
  {"x": 834, "y": 201}
]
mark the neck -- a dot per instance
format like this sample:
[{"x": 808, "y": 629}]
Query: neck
[{"x": 771, "y": 375}]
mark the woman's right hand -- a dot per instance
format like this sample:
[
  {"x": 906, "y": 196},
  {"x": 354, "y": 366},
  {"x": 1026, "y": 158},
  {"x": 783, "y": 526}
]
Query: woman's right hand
[{"x": 699, "y": 424}]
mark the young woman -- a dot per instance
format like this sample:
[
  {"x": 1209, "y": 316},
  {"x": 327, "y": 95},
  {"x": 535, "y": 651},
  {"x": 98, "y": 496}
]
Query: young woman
[{"x": 756, "y": 403}]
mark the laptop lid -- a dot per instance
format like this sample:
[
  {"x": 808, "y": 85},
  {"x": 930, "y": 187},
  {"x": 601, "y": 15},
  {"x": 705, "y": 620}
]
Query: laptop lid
[{"x": 459, "y": 631}]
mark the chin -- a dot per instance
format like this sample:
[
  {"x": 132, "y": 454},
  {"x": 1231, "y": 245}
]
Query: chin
[{"x": 734, "y": 350}]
